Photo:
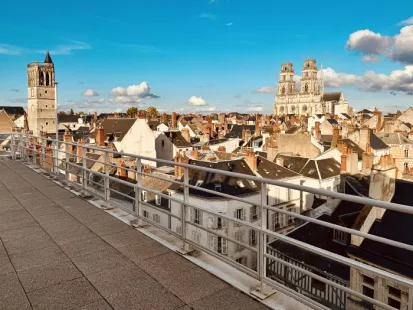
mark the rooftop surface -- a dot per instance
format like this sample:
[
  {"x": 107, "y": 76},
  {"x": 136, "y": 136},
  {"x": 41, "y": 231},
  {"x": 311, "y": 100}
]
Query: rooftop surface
[{"x": 57, "y": 251}]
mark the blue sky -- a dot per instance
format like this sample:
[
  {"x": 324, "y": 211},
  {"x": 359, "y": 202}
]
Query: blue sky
[{"x": 203, "y": 55}]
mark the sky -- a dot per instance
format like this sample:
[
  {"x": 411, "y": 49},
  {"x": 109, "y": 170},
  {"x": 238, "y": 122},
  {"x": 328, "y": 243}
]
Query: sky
[{"x": 206, "y": 55}]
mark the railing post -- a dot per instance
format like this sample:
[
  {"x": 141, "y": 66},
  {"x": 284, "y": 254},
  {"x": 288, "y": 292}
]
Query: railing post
[
  {"x": 43, "y": 160},
  {"x": 138, "y": 191},
  {"x": 185, "y": 245},
  {"x": 12, "y": 147},
  {"x": 67, "y": 161},
  {"x": 106, "y": 181},
  {"x": 264, "y": 290},
  {"x": 34, "y": 151},
  {"x": 84, "y": 167}
]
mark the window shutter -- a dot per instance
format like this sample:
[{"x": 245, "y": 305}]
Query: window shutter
[
  {"x": 210, "y": 241},
  {"x": 244, "y": 215},
  {"x": 215, "y": 221},
  {"x": 258, "y": 212},
  {"x": 250, "y": 237},
  {"x": 210, "y": 223},
  {"x": 224, "y": 246},
  {"x": 191, "y": 214},
  {"x": 215, "y": 243},
  {"x": 224, "y": 223},
  {"x": 251, "y": 213},
  {"x": 200, "y": 218}
]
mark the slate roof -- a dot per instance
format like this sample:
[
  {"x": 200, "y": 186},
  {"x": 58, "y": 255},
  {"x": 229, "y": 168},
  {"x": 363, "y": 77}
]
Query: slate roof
[
  {"x": 355, "y": 148},
  {"x": 270, "y": 170},
  {"x": 236, "y": 131},
  {"x": 153, "y": 124},
  {"x": 10, "y": 110},
  {"x": 177, "y": 139},
  {"x": 394, "y": 138},
  {"x": 48, "y": 59},
  {"x": 294, "y": 163},
  {"x": 331, "y": 96},
  {"x": 292, "y": 130},
  {"x": 117, "y": 126},
  {"x": 376, "y": 143},
  {"x": 395, "y": 226},
  {"x": 68, "y": 118},
  {"x": 229, "y": 185},
  {"x": 332, "y": 121}
]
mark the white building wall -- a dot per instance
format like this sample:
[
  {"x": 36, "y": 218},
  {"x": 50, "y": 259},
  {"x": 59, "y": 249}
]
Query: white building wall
[{"x": 230, "y": 145}]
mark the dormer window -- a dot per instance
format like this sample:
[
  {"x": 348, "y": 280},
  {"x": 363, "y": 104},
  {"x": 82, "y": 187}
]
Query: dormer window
[
  {"x": 217, "y": 187},
  {"x": 340, "y": 236},
  {"x": 240, "y": 184},
  {"x": 199, "y": 183}
]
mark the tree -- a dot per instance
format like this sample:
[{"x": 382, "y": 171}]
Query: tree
[
  {"x": 132, "y": 111},
  {"x": 152, "y": 111},
  {"x": 71, "y": 112}
]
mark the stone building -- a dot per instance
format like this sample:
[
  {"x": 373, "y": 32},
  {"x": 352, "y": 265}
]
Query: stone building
[
  {"x": 41, "y": 108},
  {"x": 310, "y": 99}
]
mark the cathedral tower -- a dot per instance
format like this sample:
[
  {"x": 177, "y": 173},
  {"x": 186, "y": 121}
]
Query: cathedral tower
[
  {"x": 41, "y": 108},
  {"x": 309, "y": 80},
  {"x": 286, "y": 85}
]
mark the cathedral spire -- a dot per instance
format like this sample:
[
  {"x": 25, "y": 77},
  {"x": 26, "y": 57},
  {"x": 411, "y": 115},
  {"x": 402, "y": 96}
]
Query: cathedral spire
[{"x": 48, "y": 59}]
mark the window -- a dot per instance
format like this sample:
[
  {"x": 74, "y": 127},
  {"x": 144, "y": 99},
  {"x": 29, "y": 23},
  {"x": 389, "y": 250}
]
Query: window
[
  {"x": 240, "y": 184},
  {"x": 252, "y": 183},
  {"x": 32, "y": 92},
  {"x": 217, "y": 187},
  {"x": 368, "y": 286},
  {"x": 242, "y": 260},
  {"x": 290, "y": 218},
  {"x": 47, "y": 123},
  {"x": 144, "y": 196},
  {"x": 406, "y": 153},
  {"x": 156, "y": 218},
  {"x": 199, "y": 183},
  {"x": 275, "y": 221},
  {"x": 45, "y": 93},
  {"x": 158, "y": 200},
  {"x": 196, "y": 236},
  {"x": 306, "y": 88},
  {"x": 394, "y": 298},
  {"x": 254, "y": 214},
  {"x": 162, "y": 143},
  {"x": 220, "y": 223},
  {"x": 283, "y": 90},
  {"x": 252, "y": 237},
  {"x": 222, "y": 246},
  {"x": 196, "y": 216},
  {"x": 239, "y": 214},
  {"x": 406, "y": 166},
  {"x": 178, "y": 229},
  {"x": 46, "y": 105},
  {"x": 145, "y": 213},
  {"x": 239, "y": 237},
  {"x": 340, "y": 236}
]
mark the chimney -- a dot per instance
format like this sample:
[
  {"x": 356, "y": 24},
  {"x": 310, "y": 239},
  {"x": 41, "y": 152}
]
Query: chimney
[
  {"x": 293, "y": 119},
  {"x": 99, "y": 136},
  {"x": 368, "y": 148},
  {"x": 164, "y": 118},
  {"x": 205, "y": 135},
  {"x": 174, "y": 124},
  {"x": 116, "y": 115},
  {"x": 367, "y": 161},
  {"x": 317, "y": 126},
  {"x": 279, "y": 161},
  {"x": 364, "y": 137},
  {"x": 68, "y": 137},
  {"x": 243, "y": 134},
  {"x": 95, "y": 115},
  {"x": 195, "y": 154},
  {"x": 257, "y": 132},
  {"x": 247, "y": 135},
  {"x": 268, "y": 120},
  {"x": 343, "y": 168},
  {"x": 251, "y": 160},
  {"x": 336, "y": 134},
  {"x": 185, "y": 134},
  {"x": 79, "y": 150},
  {"x": 317, "y": 131},
  {"x": 123, "y": 173},
  {"x": 177, "y": 159},
  {"x": 222, "y": 149}
]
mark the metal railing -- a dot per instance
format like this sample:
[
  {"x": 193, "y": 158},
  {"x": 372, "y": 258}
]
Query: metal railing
[{"x": 187, "y": 215}]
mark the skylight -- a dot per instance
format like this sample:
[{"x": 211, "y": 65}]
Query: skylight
[
  {"x": 240, "y": 184},
  {"x": 311, "y": 171}
]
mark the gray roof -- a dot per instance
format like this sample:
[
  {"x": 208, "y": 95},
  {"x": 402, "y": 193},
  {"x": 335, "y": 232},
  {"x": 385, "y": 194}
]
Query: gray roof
[
  {"x": 331, "y": 96},
  {"x": 270, "y": 170},
  {"x": 394, "y": 138},
  {"x": 177, "y": 139},
  {"x": 376, "y": 143},
  {"x": 117, "y": 126}
]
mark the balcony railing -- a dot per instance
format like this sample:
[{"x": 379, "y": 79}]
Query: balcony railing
[{"x": 54, "y": 157}]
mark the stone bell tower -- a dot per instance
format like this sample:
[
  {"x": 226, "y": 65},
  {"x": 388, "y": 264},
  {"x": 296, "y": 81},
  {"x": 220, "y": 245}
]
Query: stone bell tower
[
  {"x": 41, "y": 108},
  {"x": 309, "y": 80}
]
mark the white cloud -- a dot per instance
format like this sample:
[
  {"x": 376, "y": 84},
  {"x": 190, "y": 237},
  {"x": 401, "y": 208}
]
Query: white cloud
[
  {"x": 335, "y": 80},
  {"x": 266, "y": 90},
  {"x": 209, "y": 16},
  {"x": 66, "y": 49},
  {"x": 368, "y": 42},
  {"x": 371, "y": 58},
  {"x": 407, "y": 22},
  {"x": 6, "y": 49},
  {"x": 402, "y": 50},
  {"x": 229, "y": 24},
  {"x": 90, "y": 93},
  {"x": 256, "y": 108},
  {"x": 131, "y": 94},
  {"x": 206, "y": 109},
  {"x": 194, "y": 100}
]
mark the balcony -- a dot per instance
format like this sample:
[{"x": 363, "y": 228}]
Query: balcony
[{"x": 75, "y": 233}]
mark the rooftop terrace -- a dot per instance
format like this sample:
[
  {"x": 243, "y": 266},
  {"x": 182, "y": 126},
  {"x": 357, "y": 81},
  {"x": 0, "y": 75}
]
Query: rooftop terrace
[{"x": 58, "y": 251}]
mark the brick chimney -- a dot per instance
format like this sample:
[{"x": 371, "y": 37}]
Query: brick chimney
[
  {"x": 164, "y": 118},
  {"x": 343, "y": 168},
  {"x": 185, "y": 134},
  {"x": 68, "y": 137},
  {"x": 79, "y": 150},
  {"x": 116, "y": 115},
  {"x": 174, "y": 124},
  {"x": 257, "y": 132},
  {"x": 292, "y": 121},
  {"x": 247, "y": 134},
  {"x": 222, "y": 148},
  {"x": 364, "y": 137},
  {"x": 177, "y": 159},
  {"x": 367, "y": 161},
  {"x": 251, "y": 160},
  {"x": 205, "y": 135},
  {"x": 317, "y": 131},
  {"x": 243, "y": 134},
  {"x": 268, "y": 120},
  {"x": 123, "y": 173},
  {"x": 336, "y": 135},
  {"x": 99, "y": 136},
  {"x": 195, "y": 154}
]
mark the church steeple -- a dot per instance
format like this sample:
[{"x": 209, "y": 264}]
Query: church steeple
[{"x": 48, "y": 59}]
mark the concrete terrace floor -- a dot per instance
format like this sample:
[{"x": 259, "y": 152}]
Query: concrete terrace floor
[{"x": 58, "y": 251}]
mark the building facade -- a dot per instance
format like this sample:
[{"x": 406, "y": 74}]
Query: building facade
[
  {"x": 41, "y": 108},
  {"x": 310, "y": 98}
]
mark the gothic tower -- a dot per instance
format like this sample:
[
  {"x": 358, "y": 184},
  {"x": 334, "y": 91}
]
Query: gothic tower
[
  {"x": 286, "y": 85},
  {"x": 41, "y": 108},
  {"x": 309, "y": 81}
]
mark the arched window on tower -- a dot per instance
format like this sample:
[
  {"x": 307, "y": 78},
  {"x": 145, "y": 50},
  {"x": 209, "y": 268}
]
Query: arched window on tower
[
  {"x": 47, "y": 79},
  {"x": 306, "y": 88},
  {"x": 283, "y": 90},
  {"x": 291, "y": 88},
  {"x": 41, "y": 78}
]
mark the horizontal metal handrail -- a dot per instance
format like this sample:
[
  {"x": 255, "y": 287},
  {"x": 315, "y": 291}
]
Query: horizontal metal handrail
[{"x": 262, "y": 230}]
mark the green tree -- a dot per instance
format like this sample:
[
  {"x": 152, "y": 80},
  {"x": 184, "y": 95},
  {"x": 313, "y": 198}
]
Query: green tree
[
  {"x": 132, "y": 111},
  {"x": 152, "y": 111}
]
